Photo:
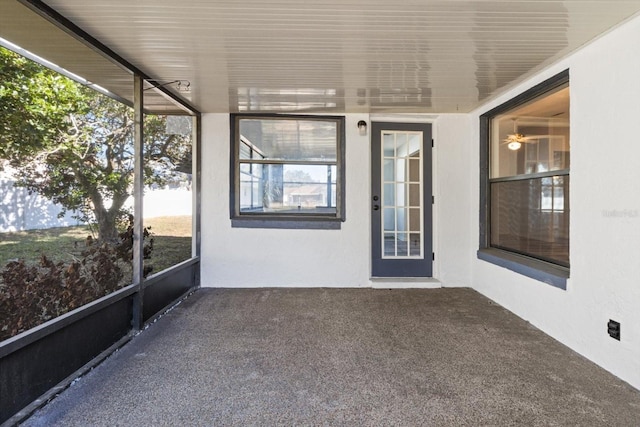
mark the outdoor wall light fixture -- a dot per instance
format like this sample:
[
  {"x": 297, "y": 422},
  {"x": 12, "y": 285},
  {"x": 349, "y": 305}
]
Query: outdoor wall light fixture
[{"x": 362, "y": 128}]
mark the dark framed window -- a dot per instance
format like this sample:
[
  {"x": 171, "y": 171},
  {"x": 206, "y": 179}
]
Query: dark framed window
[
  {"x": 525, "y": 165},
  {"x": 287, "y": 171}
]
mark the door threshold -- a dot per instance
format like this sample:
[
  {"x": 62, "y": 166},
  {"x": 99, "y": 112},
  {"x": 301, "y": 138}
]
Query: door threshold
[{"x": 405, "y": 283}]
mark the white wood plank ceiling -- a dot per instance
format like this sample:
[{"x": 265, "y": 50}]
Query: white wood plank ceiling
[{"x": 342, "y": 56}]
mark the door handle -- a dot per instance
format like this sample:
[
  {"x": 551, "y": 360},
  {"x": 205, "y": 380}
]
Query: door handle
[
  {"x": 375, "y": 198},
  {"x": 376, "y": 207}
]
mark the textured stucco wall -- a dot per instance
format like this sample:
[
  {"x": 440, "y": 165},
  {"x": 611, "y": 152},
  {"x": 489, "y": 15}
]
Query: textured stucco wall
[
  {"x": 605, "y": 211},
  {"x": 264, "y": 257}
]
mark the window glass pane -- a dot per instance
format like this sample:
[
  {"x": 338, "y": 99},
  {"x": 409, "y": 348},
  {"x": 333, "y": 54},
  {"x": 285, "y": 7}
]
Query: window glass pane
[
  {"x": 414, "y": 195},
  {"x": 389, "y": 195},
  {"x": 287, "y": 139},
  {"x": 288, "y": 189},
  {"x": 402, "y": 147},
  {"x": 245, "y": 150},
  {"x": 389, "y": 170},
  {"x": 389, "y": 219},
  {"x": 401, "y": 170},
  {"x": 415, "y": 219},
  {"x": 532, "y": 138},
  {"x": 415, "y": 140},
  {"x": 531, "y": 217},
  {"x": 251, "y": 186},
  {"x": 414, "y": 169},
  {"x": 415, "y": 244},
  {"x": 288, "y": 166},
  {"x": 401, "y": 197},
  {"x": 529, "y": 163},
  {"x": 402, "y": 244},
  {"x": 402, "y": 219},
  {"x": 401, "y": 165},
  {"x": 388, "y": 144},
  {"x": 389, "y": 248}
]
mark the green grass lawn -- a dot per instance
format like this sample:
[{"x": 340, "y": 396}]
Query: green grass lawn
[{"x": 172, "y": 242}]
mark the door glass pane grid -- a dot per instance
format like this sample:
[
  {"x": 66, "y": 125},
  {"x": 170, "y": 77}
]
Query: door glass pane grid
[{"x": 402, "y": 198}]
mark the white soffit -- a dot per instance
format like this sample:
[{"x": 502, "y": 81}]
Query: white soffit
[{"x": 393, "y": 56}]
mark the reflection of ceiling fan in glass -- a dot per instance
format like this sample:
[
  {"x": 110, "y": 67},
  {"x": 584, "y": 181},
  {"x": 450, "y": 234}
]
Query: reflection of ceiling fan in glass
[{"x": 515, "y": 140}]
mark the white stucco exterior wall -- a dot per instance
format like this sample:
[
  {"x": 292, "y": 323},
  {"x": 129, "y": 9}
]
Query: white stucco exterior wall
[
  {"x": 454, "y": 207},
  {"x": 242, "y": 257},
  {"x": 605, "y": 211}
]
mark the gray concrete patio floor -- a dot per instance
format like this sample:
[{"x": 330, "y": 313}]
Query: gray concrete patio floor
[{"x": 440, "y": 357}]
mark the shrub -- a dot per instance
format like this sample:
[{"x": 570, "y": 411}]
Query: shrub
[{"x": 33, "y": 294}]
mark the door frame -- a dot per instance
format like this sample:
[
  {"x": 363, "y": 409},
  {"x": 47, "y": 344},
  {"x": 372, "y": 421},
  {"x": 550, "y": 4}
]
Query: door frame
[{"x": 401, "y": 268}]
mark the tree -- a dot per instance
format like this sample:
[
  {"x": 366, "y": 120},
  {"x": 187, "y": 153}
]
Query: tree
[
  {"x": 74, "y": 145},
  {"x": 297, "y": 176}
]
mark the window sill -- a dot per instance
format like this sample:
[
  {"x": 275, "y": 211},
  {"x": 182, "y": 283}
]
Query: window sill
[
  {"x": 287, "y": 223},
  {"x": 548, "y": 273}
]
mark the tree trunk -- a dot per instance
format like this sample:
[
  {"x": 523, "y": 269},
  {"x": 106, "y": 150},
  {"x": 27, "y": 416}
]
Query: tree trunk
[
  {"x": 107, "y": 218},
  {"x": 107, "y": 230}
]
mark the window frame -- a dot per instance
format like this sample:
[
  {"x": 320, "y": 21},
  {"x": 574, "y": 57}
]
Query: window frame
[
  {"x": 285, "y": 220},
  {"x": 548, "y": 272}
]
